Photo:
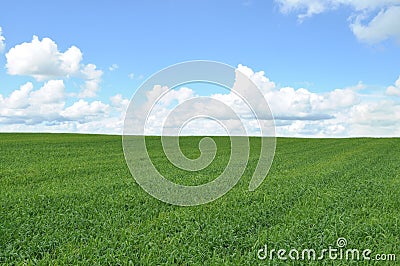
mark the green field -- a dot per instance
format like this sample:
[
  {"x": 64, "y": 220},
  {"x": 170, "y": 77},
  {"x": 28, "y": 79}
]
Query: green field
[{"x": 70, "y": 199}]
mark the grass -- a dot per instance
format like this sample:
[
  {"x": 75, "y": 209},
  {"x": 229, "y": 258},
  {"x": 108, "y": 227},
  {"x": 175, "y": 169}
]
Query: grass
[{"x": 70, "y": 199}]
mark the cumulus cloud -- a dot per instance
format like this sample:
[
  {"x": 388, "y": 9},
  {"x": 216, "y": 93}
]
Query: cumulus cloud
[
  {"x": 82, "y": 111},
  {"x": 52, "y": 91},
  {"x": 47, "y": 106},
  {"x": 119, "y": 102},
  {"x": 160, "y": 100},
  {"x": 288, "y": 103},
  {"x": 28, "y": 106},
  {"x": 340, "y": 112},
  {"x": 366, "y": 25},
  {"x": 42, "y": 60},
  {"x": 394, "y": 89},
  {"x": 18, "y": 99},
  {"x": 298, "y": 112},
  {"x": 2, "y": 41},
  {"x": 92, "y": 78},
  {"x": 375, "y": 119}
]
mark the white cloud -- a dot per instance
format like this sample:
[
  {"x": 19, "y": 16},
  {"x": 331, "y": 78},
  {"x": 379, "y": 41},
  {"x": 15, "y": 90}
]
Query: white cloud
[
  {"x": 258, "y": 78},
  {"x": 45, "y": 109},
  {"x": 383, "y": 26},
  {"x": 42, "y": 60},
  {"x": 394, "y": 90},
  {"x": 18, "y": 99},
  {"x": 375, "y": 119},
  {"x": 295, "y": 109},
  {"x": 25, "y": 98},
  {"x": 336, "y": 99},
  {"x": 83, "y": 111},
  {"x": 106, "y": 125},
  {"x": 134, "y": 76},
  {"x": 92, "y": 78},
  {"x": 161, "y": 100},
  {"x": 380, "y": 27},
  {"x": 180, "y": 95},
  {"x": 52, "y": 91},
  {"x": 119, "y": 103},
  {"x": 307, "y": 8},
  {"x": 113, "y": 67},
  {"x": 46, "y": 106},
  {"x": 2, "y": 39},
  {"x": 298, "y": 112},
  {"x": 288, "y": 103},
  {"x": 27, "y": 106},
  {"x": 340, "y": 112}
]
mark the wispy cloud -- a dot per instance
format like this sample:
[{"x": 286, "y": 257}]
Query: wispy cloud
[
  {"x": 372, "y": 21},
  {"x": 2, "y": 41},
  {"x": 113, "y": 67}
]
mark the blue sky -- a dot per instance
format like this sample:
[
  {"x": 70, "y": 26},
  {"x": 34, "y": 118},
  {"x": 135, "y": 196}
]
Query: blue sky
[{"x": 320, "y": 46}]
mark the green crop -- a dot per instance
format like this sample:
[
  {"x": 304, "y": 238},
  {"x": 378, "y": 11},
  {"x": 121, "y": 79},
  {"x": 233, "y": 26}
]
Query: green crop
[{"x": 70, "y": 199}]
